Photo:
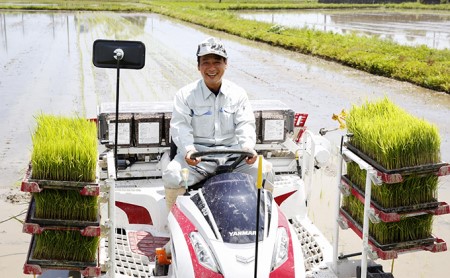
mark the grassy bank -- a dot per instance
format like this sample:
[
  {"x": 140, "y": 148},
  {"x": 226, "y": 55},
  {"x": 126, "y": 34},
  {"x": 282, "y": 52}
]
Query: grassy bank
[{"x": 421, "y": 65}]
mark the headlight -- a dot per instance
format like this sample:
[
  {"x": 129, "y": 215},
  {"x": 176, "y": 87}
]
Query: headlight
[
  {"x": 203, "y": 253},
  {"x": 280, "y": 251}
]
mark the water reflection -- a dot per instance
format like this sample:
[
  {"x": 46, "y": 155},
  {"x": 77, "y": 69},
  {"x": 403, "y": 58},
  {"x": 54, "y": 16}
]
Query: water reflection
[
  {"x": 409, "y": 28},
  {"x": 18, "y": 28}
]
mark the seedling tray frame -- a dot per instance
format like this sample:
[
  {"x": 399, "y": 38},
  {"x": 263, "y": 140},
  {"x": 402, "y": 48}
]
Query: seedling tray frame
[
  {"x": 36, "y": 266},
  {"x": 391, "y": 251},
  {"x": 395, "y": 214},
  {"x": 34, "y": 225},
  {"x": 37, "y": 185},
  {"x": 396, "y": 175}
]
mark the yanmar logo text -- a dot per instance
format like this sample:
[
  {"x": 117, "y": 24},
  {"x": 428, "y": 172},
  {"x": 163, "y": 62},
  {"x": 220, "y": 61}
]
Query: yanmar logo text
[{"x": 243, "y": 233}]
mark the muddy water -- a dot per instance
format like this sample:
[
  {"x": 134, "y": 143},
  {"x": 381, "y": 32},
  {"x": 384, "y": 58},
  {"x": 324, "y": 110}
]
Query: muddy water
[
  {"x": 406, "y": 27},
  {"x": 46, "y": 66}
]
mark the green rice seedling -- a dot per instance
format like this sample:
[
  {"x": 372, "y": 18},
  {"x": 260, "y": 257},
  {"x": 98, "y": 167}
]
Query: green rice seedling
[
  {"x": 392, "y": 137},
  {"x": 414, "y": 190},
  {"x": 64, "y": 149},
  {"x": 65, "y": 205},
  {"x": 408, "y": 229},
  {"x": 67, "y": 245}
]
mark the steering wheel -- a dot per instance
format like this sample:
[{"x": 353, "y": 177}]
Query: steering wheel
[{"x": 206, "y": 156}]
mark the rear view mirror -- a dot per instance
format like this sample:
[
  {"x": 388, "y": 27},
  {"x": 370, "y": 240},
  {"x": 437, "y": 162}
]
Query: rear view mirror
[
  {"x": 118, "y": 55},
  {"x": 131, "y": 54}
]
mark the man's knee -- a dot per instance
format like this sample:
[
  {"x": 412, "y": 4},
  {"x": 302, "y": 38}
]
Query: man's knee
[{"x": 171, "y": 175}]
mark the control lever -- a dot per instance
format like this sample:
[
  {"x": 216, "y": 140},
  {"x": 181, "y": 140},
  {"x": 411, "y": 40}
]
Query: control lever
[{"x": 185, "y": 176}]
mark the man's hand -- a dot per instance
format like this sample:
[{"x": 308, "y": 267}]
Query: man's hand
[
  {"x": 192, "y": 162},
  {"x": 251, "y": 159}
]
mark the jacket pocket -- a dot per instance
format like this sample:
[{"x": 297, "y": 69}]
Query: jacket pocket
[
  {"x": 202, "y": 121},
  {"x": 227, "y": 115}
]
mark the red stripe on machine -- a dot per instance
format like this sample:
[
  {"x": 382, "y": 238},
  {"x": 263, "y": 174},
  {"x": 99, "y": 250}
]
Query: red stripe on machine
[
  {"x": 281, "y": 198},
  {"x": 136, "y": 214}
]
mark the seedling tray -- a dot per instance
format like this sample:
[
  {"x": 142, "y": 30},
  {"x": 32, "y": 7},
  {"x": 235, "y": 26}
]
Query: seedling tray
[
  {"x": 36, "y": 185},
  {"x": 391, "y": 251},
  {"x": 34, "y": 225},
  {"x": 396, "y": 175},
  {"x": 395, "y": 214},
  {"x": 36, "y": 266}
]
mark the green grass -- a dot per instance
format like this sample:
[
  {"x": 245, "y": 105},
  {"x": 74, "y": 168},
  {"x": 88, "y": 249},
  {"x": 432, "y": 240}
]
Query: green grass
[
  {"x": 419, "y": 65},
  {"x": 65, "y": 245},
  {"x": 407, "y": 229},
  {"x": 394, "y": 139},
  {"x": 414, "y": 190},
  {"x": 391, "y": 136},
  {"x": 109, "y": 5},
  {"x": 66, "y": 205},
  {"x": 64, "y": 148}
]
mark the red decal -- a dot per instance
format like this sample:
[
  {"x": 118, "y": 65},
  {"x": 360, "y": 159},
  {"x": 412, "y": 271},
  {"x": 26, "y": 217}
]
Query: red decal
[
  {"x": 136, "y": 214},
  {"x": 187, "y": 227},
  {"x": 300, "y": 119},
  {"x": 281, "y": 198},
  {"x": 287, "y": 268}
]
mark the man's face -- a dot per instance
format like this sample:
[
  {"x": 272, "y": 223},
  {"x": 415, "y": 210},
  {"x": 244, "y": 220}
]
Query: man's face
[{"x": 212, "y": 67}]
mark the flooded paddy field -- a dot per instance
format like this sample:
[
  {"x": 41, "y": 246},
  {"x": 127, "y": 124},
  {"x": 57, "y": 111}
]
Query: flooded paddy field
[
  {"x": 413, "y": 28},
  {"x": 46, "y": 67}
]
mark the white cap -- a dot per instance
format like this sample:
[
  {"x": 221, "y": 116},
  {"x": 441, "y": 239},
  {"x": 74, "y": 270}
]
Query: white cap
[{"x": 211, "y": 46}]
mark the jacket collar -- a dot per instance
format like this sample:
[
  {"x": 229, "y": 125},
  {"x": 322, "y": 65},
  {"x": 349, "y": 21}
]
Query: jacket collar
[{"x": 206, "y": 92}]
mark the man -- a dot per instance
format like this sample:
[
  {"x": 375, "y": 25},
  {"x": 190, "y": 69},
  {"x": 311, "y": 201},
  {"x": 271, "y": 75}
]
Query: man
[{"x": 209, "y": 114}]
